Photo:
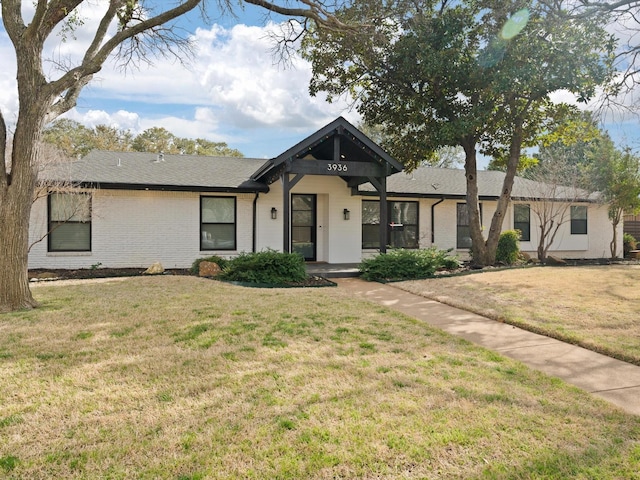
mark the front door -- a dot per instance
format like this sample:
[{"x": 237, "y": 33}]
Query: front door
[{"x": 303, "y": 225}]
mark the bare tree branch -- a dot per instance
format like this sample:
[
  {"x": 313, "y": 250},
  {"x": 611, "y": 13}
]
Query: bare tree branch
[{"x": 322, "y": 16}]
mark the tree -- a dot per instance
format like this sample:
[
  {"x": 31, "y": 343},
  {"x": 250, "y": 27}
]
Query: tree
[
  {"x": 616, "y": 174},
  {"x": 74, "y": 139},
  {"x": 69, "y": 136},
  {"x": 476, "y": 74},
  {"x": 133, "y": 31},
  {"x": 555, "y": 186},
  {"x": 154, "y": 139},
  {"x": 578, "y": 157},
  {"x": 444, "y": 157},
  {"x": 112, "y": 138}
]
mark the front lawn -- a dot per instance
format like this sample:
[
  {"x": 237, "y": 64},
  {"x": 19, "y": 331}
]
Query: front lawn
[
  {"x": 597, "y": 307},
  {"x": 176, "y": 377}
]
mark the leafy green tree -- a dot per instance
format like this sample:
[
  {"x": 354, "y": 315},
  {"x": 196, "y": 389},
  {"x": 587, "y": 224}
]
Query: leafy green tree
[
  {"x": 70, "y": 137},
  {"x": 155, "y": 140},
  {"x": 200, "y": 146},
  {"x": 132, "y": 31},
  {"x": 112, "y": 138},
  {"x": 475, "y": 74},
  {"x": 74, "y": 139}
]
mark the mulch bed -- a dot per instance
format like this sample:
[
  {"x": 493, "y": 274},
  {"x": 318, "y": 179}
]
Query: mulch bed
[
  {"x": 88, "y": 273},
  {"x": 41, "y": 275}
]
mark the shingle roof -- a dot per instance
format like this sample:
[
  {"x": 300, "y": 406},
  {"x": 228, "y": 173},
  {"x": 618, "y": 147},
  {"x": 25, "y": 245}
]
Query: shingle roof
[
  {"x": 153, "y": 171},
  {"x": 451, "y": 183},
  {"x": 136, "y": 170}
]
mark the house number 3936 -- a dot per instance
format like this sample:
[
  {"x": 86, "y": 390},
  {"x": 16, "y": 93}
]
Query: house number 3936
[{"x": 336, "y": 167}]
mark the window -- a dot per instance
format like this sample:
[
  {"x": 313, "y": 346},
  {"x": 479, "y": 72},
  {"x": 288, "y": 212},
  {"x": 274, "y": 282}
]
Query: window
[
  {"x": 403, "y": 224},
  {"x": 217, "y": 223},
  {"x": 522, "y": 221},
  {"x": 370, "y": 224},
  {"x": 578, "y": 220},
  {"x": 463, "y": 232},
  {"x": 69, "y": 222}
]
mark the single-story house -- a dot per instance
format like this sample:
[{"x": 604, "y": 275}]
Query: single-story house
[{"x": 335, "y": 197}]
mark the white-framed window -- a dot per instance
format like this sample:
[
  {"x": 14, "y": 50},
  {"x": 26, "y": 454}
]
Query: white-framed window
[
  {"x": 217, "y": 223},
  {"x": 69, "y": 223},
  {"x": 578, "y": 220},
  {"x": 522, "y": 220}
]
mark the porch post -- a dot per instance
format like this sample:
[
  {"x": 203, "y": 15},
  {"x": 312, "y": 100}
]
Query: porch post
[
  {"x": 384, "y": 215},
  {"x": 286, "y": 215}
]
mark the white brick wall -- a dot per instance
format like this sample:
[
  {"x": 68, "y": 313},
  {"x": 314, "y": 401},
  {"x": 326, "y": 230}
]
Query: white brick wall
[{"x": 138, "y": 228}]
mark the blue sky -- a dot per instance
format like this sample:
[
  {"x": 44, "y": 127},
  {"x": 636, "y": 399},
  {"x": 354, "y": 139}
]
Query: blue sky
[{"x": 233, "y": 91}]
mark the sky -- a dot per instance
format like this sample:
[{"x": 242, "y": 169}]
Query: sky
[{"x": 234, "y": 90}]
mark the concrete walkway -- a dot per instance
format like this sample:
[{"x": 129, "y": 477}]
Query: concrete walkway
[{"x": 615, "y": 381}]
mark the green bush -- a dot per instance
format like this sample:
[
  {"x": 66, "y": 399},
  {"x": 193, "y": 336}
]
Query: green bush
[
  {"x": 195, "y": 266},
  {"x": 508, "y": 249},
  {"x": 268, "y": 267},
  {"x": 629, "y": 243},
  {"x": 400, "y": 264}
]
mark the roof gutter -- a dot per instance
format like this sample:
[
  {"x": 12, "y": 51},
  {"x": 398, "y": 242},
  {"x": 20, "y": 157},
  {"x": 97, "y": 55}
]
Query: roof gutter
[
  {"x": 433, "y": 220},
  {"x": 255, "y": 222}
]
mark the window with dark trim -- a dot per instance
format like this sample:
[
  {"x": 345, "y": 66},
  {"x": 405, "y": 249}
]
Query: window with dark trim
[
  {"x": 522, "y": 220},
  {"x": 217, "y": 223},
  {"x": 578, "y": 220},
  {"x": 403, "y": 224},
  {"x": 463, "y": 231},
  {"x": 69, "y": 224}
]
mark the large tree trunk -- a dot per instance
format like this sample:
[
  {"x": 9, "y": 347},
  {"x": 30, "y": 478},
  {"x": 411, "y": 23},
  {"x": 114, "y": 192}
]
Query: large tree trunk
[
  {"x": 15, "y": 206},
  {"x": 16, "y": 198},
  {"x": 484, "y": 251},
  {"x": 17, "y": 188},
  {"x": 479, "y": 254}
]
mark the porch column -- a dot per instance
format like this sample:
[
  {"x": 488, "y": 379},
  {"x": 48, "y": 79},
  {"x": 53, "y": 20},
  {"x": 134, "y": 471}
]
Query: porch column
[
  {"x": 286, "y": 213},
  {"x": 384, "y": 215}
]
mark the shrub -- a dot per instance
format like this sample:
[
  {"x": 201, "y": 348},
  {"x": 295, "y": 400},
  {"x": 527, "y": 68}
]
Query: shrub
[
  {"x": 268, "y": 267},
  {"x": 629, "y": 243},
  {"x": 508, "y": 249},
  {"x": 195, "y": 266},
  {"x": 400, "y": 264}
]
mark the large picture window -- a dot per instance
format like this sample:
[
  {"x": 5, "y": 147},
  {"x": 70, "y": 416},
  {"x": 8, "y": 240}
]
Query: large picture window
[
  {"x": 463, "y": 231},
  {"x": 402, "y": 229},
  {"x": 217, "y": 223},
  {"x": 578, "y": 220},
  {"x": 69, "y": 222},
  {"x": 522, "y": 221}
]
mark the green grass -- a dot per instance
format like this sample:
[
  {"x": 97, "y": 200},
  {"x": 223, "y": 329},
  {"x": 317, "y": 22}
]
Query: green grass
[
  {"x": 595, "y": 307},
  {"x": 282, "y": 383}
]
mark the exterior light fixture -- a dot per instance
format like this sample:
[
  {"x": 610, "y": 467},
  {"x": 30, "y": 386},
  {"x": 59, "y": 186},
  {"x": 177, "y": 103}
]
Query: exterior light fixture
[
  {"x": 346, "y": 214},
  {"x": 274, "y": 213}
]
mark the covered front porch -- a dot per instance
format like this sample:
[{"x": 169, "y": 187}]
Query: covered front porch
[{"x": 313, "y": 196}]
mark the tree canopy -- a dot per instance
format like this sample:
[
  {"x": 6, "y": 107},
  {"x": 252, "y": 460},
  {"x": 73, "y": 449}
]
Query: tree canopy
[
  {"x": 475, "y": 74},
  {"x": 74, "y": 139}
]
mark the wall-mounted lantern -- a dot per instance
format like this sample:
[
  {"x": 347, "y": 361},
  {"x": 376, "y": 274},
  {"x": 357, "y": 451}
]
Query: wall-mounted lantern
[
  {"x": 274, "y": 213},
  {"x": 346, "y": 214}
]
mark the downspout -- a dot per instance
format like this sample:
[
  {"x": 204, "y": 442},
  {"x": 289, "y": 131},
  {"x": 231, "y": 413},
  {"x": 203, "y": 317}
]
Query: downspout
[
  {"x": 255, "y": 222},
  {"x": 433, "y": 220}
]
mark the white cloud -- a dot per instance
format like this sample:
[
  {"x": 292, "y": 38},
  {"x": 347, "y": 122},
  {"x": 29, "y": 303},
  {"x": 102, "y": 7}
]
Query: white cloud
[{"x": 233, "y": 90}]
